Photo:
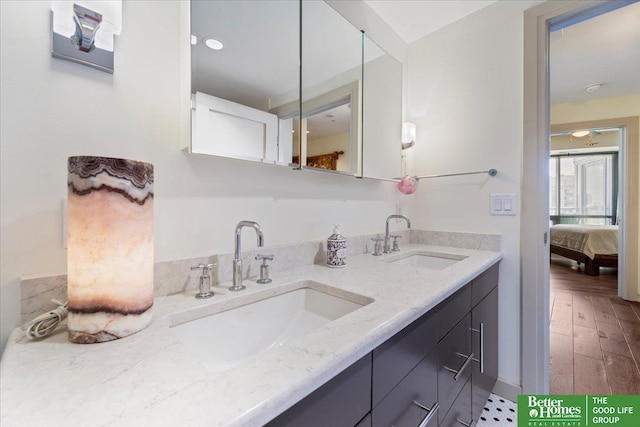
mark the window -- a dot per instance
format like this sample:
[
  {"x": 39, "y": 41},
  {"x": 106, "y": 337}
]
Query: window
[{"x": 583, "y": 188}]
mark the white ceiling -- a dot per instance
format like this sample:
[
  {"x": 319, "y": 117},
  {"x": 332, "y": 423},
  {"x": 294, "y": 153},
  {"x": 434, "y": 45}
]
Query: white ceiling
[
  {"x": 413, "y": 19},
  {"x": 604, "y": 49}
]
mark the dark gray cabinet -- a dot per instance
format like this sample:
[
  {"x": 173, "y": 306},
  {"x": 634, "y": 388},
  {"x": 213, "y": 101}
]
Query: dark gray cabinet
[
  {"x": 342, "y": 402},
  {"x": 455, "y": 364},
  {"x": 414, "y": 400},
  {"x": 484, "y": 319},
  {"x": 366, "y": 421},
  {"x": 452, "y": 310},
  {"x": 395, "y": 358},
  {"x": 438, "y": 371},
  {"x": 460, "y": 413}
]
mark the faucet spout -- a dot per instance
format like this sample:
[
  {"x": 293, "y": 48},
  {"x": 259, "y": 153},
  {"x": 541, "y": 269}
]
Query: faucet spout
[
  {"x": 237, "y": 259},
  {"x": 387, "y": 239}
]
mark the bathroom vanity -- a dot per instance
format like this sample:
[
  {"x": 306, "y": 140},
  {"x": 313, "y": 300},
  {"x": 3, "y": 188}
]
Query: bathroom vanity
[
  {"x": 418, "y": 346},
  {"x": 438, "y": 371}
]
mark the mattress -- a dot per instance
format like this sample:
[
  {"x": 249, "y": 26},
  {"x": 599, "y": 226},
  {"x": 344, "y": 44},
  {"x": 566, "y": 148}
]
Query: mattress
[{"x": 588, "y": 239}]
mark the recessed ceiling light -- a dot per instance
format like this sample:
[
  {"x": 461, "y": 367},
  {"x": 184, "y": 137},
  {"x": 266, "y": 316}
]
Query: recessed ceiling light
[
  {"x": 194, "y": 40},
  {"x": 214, "y": 44},
  {"x": 593, "y": 87}
]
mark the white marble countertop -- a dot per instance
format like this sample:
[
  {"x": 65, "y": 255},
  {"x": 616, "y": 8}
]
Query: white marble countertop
[{"x": 150, "y": 378}]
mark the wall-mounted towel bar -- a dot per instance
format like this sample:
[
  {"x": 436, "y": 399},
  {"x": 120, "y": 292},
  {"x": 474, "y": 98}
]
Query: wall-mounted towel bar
[{"x": 491, "y": 172}]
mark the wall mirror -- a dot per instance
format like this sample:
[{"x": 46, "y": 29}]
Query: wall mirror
[
  {"x": 252, "y": 100},
  {"x": 382, "y": 118},
  {"x": 327, "y": 131},
  {"x": 244, "y": 55}
]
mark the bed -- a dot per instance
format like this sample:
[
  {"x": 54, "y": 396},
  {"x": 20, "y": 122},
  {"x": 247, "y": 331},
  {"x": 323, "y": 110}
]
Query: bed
[{"x": 594, "y": 245}]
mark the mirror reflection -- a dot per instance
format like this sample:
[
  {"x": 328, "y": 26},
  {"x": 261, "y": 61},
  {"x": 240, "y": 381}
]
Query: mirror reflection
[
  {"x": 331, "y": 90},
  {"x": 245, "y": 85},
  {"x": 254, "y": 61},
  {"x": 328, "y": 136},
  {"x": 382, "y": 119}
]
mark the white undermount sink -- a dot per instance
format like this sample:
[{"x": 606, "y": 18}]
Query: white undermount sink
[
  {"x": 231, "y": 337},
  {"x": 427, "y": 260}
]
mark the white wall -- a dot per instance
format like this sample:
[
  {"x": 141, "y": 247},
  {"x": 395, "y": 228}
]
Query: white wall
[
  {"x": 596, "y": 109},
  {"x": 52, "y": 109},
  {"x": 466, "y": 98}
]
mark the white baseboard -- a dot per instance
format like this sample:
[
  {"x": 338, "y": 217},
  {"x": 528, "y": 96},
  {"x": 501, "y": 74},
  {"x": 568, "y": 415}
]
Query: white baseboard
[{"x": 507, "y": 390}]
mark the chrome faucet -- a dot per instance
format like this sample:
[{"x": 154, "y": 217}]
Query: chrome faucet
[
  {"x": 387, "y": 238},
  {"x": 237, "y": 260}
]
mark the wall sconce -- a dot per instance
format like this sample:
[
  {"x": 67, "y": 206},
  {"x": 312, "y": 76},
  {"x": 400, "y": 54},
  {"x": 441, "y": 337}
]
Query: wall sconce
[
  {"x": 83, "y": 31},
  {"x": 109, "y": 248},
  {"x": 408, "y": 135}
]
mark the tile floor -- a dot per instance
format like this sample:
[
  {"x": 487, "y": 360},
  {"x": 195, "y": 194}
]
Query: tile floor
[{"x": 498, "y": 412}]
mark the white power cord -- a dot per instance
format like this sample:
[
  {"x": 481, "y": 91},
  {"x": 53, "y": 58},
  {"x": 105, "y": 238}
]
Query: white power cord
[{"x": 46, "y": 323}]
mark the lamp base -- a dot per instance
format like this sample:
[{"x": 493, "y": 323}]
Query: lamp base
[{"x": 103, "y": 327}]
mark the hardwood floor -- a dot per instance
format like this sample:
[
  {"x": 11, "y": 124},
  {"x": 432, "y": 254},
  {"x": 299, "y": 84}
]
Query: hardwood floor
[{"x": 594, "y": 335}]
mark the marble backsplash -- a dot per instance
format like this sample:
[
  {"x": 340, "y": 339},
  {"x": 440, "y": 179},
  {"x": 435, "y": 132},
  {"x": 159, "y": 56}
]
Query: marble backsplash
[
  {"x": 172, "y": 277},
  {"x": 480, "y": 242}
]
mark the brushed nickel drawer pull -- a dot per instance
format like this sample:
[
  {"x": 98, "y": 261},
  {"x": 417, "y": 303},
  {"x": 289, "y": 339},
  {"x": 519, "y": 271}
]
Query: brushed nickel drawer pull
[
  {"x": 481, "y": 360},
  {"x": 431, "y": 412},
  {"x": 462, "y": 368}
]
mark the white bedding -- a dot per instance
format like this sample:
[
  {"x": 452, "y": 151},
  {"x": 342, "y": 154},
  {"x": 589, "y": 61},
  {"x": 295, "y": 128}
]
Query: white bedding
[{"x": 588, "y": 239}]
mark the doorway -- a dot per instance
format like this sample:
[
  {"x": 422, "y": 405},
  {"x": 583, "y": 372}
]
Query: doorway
[
  {"x": 586, "y": 172},
  {"x": 535, "y": 210},
  {"x": 592, "y": 345}
]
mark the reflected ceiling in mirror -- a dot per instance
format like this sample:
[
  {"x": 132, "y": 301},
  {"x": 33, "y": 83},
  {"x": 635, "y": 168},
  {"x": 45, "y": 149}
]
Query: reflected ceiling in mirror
[
  {"x": 233, "y": 88},
  {"x": 259, "y": 59},
  {"x": 246, "y": 96}
]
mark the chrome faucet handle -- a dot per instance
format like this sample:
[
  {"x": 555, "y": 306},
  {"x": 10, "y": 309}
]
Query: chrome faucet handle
[
  {"x": 204, "y": 288},
  {"x": 264, "y": 268},
  {"x": 395, "y": 238},
  {"x": 377, "y": 245}
]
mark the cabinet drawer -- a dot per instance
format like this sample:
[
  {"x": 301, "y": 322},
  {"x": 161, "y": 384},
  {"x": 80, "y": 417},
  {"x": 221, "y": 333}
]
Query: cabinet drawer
[
  {"x": 400, "y": 354},
  {"x": 460, "y": 413},
  {"x": 455, "y": 363},
  {"x": 484, "y": 344},
  {"x": 341, "y": 402},
  {"x": 483, "y": 284},
  {"x": 453, "y": 309},
  {"x": 420, "y": 386},
  {"x": 366, "y": 421}
]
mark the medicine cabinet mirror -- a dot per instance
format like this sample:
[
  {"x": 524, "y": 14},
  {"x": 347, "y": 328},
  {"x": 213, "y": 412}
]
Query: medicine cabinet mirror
[
  {"x": 246, "y": 96},
  {"x": 233, "y": 87}
]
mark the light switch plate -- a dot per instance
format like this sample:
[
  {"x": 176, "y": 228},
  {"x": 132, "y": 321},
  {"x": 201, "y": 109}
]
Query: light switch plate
[{"x": 505, "y": 204}]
